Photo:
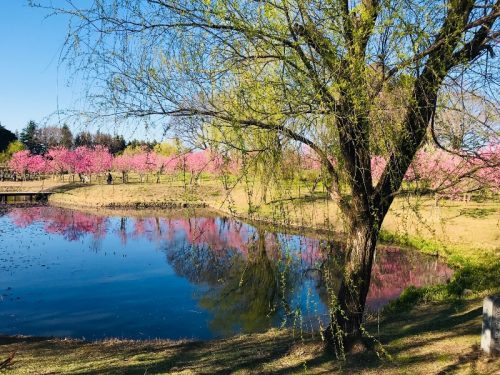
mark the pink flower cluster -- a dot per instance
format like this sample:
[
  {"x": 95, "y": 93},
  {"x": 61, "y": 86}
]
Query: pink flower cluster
[
  {"x": 193, "y": 162},
  {"x": 97, "y": 160},
  {"x": 439, "y": 170},
  {"x": 61, "y": 160}
]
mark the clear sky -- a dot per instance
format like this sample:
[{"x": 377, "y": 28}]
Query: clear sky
[
  {"x": 33, "y": 85},
  {"x": 29, "y": 50}
]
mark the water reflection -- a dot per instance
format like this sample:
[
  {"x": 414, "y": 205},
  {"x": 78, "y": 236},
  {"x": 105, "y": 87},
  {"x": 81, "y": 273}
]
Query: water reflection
[
  {"x": 225, "y": 275},
  {"x": 72, "y": 225}
]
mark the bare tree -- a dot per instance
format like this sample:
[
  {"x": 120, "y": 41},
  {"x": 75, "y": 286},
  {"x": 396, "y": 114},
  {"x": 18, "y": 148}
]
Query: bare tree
[{"x": 343, "y": 77}]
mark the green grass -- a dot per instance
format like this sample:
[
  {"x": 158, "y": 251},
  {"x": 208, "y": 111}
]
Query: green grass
[
  {"x": 477, "y": 213},
  {"x": 436, "y": 338}
]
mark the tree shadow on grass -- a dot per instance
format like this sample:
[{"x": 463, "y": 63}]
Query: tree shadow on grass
[
  {"x": 246, "y": 353},
  {"x": 307, "y": 198},
  {"x": 456, "y": 316},
  {"x": 429, "y": 339},
  {"x": 66, "y": 187}
]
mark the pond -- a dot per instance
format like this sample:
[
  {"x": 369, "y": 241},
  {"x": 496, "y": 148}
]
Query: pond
[{"x": 69, "y": 273}]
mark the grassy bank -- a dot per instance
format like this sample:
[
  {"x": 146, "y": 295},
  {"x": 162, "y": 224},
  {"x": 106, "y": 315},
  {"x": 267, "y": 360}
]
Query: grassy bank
[{"x": 431, "y": 339}]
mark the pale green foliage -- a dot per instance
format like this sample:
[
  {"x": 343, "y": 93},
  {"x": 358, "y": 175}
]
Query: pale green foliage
[
  {"x": 166, "y": 149},
  {"x": 12, "y": 148},
  {"x": 133, "y": 150}
]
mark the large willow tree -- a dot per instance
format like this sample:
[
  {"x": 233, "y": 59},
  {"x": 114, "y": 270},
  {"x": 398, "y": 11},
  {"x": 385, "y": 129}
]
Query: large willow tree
[{"x": 350, "y": 79}]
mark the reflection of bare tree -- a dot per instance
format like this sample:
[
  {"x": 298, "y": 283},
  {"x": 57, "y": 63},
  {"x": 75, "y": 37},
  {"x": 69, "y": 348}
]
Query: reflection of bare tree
[
  {"x": 199, "y": 263},
  {"x": 246, "y": 292},
  {"x": 250, "y": 294},
  {"x": 122, "y": 232}
]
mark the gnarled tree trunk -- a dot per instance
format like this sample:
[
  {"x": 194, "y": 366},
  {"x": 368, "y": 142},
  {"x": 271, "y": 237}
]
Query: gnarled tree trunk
[{"x": 345, "y": 328}]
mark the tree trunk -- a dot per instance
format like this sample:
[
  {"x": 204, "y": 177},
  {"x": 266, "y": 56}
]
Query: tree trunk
[{"x": 345, "y": 329}]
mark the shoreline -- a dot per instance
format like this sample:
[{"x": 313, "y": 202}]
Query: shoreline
[
  {"x": 470, "y": 226},
  {"x": 386, "y": 238},
  {"x": 438, "y": 248},
  {"x": 203, "y": 207},
  {"x": 132, "y": 209}
]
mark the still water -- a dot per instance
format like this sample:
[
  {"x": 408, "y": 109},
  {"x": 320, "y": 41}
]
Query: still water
[{"x": 75, "y": 274}]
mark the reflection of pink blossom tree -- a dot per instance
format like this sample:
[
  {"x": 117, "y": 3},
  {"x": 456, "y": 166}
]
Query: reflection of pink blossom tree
[
  {"x": 394, "y": 270},
  {"x": 72, "y": 225},
  {"x": 23, "y": 217},
  {"x": 222, "y": 240}
]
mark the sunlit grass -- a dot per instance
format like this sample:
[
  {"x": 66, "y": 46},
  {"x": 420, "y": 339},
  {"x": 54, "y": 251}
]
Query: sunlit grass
[{"x": 435, "y": 338}]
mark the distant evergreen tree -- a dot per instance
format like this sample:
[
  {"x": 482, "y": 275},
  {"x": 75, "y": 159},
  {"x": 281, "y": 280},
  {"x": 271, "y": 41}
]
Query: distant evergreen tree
[
  {"x": 6, "y": 137},
  {"x": 66, "y": 137},
  {"x": 118, "y": 144},
  {"x": 134, "y": 143},
  {"x": 84, "y": 139},
  {"x": 29, "y": 138},
  {"x": 103, "y": 139}
]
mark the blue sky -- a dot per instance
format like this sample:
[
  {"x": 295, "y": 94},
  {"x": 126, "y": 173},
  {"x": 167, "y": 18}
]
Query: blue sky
[
  {"x": 29, "y": 49},
  {"x": 33, "y": 85}
]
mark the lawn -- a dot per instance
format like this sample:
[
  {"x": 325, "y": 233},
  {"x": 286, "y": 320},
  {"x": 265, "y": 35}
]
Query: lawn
[{"x": 430, "y": 339}]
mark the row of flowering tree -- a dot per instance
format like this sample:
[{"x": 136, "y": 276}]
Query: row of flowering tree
[
  {"x": 439, "y": 171},
  {"x": 82, "y": 161},
  {"x": 431, "y": 170},
  {"x": 86, "y": 162},
  {"x": 452, "y": 174}
]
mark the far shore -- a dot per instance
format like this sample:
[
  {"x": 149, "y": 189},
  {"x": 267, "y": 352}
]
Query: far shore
[{"x": 469, "y": 226}]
